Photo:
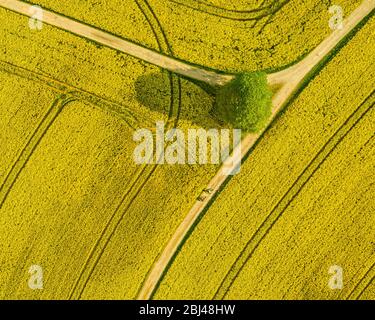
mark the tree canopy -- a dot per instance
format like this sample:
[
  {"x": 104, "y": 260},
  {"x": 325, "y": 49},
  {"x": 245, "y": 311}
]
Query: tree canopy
[{"x": 245, "y": 102}]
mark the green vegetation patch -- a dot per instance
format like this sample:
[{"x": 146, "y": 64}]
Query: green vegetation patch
[{"x": 245, "y": 102}]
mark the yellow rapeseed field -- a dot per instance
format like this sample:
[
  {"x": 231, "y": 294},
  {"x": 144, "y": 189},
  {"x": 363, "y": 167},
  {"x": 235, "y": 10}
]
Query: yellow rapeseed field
[{"x": 73, "y": 201}]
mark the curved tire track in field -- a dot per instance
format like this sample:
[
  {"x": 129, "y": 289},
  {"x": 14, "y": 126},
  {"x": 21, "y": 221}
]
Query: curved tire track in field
[
  {"x": 103, "y": 103},
  {"x": 239, "y": 15},
  {"x": 147, "y": 171},
  {"x": 291, "y": 194},
  {"x": 36, "y": 137}
]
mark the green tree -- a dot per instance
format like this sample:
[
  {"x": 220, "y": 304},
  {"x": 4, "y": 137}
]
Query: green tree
[{"x": 245, "y": 103}]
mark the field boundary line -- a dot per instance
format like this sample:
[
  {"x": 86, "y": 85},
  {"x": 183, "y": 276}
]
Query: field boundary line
[
  {"x": 235, "y": 15},
  {"x": 164, "y": 48}
]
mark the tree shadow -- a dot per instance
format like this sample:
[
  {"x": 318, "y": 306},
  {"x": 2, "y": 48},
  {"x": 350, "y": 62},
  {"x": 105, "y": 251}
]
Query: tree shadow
[{"x": 197, "y": 99}]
